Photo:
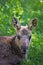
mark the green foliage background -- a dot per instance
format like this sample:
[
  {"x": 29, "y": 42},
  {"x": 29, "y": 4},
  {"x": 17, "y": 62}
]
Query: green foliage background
[{"x": 25, "y": 10}]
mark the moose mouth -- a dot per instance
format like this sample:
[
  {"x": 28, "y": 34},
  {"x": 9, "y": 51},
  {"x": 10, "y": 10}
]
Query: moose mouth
[{"x": 19, "y": 52}]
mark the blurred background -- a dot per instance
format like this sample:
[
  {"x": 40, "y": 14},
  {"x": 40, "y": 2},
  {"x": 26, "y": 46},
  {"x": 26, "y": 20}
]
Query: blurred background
[{"x": 25, "y": 10}]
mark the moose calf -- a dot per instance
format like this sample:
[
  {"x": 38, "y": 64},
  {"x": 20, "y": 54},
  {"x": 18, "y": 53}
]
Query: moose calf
[{"x": 15, "y": 48}]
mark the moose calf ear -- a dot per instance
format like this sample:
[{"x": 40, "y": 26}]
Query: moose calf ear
[
  {"x": 33, "y": 23},
  {"x": 16, "y": 23}
]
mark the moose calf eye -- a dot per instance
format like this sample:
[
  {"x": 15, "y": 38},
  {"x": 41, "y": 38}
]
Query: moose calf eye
[
  {"x": 29, "y": 37},
  {"x": 18, "y": 37}
]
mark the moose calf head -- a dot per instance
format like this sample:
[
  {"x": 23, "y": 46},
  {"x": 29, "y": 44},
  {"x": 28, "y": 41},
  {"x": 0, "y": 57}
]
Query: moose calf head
[{"x": 23, "y": 34}]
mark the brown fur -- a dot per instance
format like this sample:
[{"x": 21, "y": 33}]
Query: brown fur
[{"x": 8, "y": 55}]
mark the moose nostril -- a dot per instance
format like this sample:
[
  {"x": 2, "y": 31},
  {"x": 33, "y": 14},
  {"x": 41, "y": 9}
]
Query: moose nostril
[{"x": 24, "y": 48}]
